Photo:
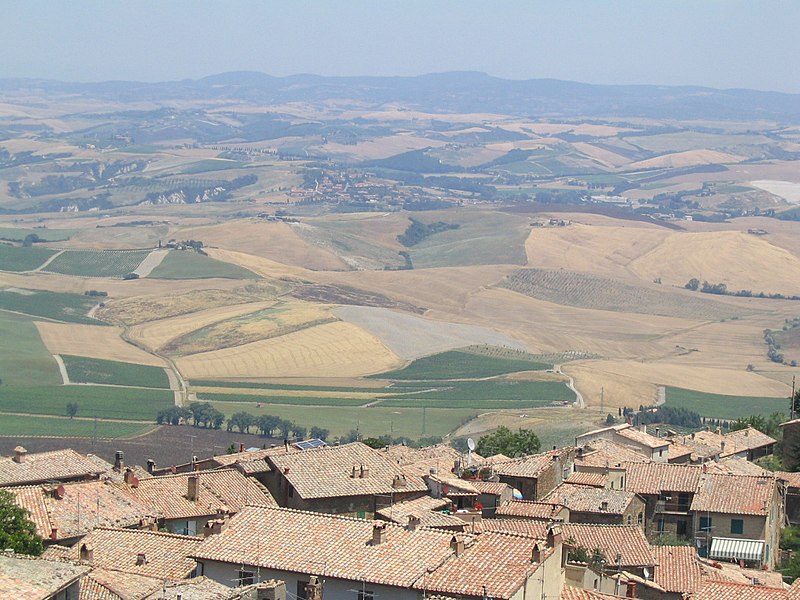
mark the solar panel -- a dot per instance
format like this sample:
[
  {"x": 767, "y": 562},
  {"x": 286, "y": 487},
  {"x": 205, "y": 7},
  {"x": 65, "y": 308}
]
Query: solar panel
[{"x": 309, "y": 444}]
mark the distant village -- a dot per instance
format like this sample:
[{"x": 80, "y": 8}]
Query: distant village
[{"x": 624, "y": 513}]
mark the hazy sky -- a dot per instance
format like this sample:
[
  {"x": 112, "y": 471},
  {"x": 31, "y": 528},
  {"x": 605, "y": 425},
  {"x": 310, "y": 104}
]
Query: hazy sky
[{"x": 719, "y": 43}]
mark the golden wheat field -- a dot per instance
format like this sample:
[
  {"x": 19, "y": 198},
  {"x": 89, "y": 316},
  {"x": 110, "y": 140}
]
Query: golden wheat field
[
  {"x": 333, "y": 350},
  {"x": 156, "y": 333},
  {"x": 92, "y": 341}
]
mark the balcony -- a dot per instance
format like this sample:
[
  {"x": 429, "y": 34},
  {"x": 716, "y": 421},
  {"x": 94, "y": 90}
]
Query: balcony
[{"x": 672, "y": 507}]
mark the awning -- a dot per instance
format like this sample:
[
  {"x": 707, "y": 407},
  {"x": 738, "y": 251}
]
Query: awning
[{"x": 737, "y": 549}]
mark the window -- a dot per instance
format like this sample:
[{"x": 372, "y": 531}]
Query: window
[
  {"x": 301, "y": 589},
  {"x": 661, "y": 526},
  {"x": 630, "y": 520},
  {"x": 640, "y": 519},
  {"x": 291, "y": 491},
  {"x": 660, "y": 453},
  {"x": 681, "y": 527},
  {"x": 737, "y": 526},
  {"x": 705, "y": 524},
  {"x": 246, "y": 577}
]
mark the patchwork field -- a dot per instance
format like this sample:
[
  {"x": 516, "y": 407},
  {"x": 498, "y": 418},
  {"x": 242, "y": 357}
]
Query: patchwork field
[
  {"x": 185, "y": 264},
  {"x": 93, "y": 341},
  {"x": 92, "y": 370},
  {"x": 72, "y": 308},
  {"x": 20, "y": 258},
  {"x": 410, "y": 336},
  {"x": 99, "y": 263},
  {"x": 23, "y": 356},
  {"x": 461, "y": 364},
  {"x": 333, "y": 349}
]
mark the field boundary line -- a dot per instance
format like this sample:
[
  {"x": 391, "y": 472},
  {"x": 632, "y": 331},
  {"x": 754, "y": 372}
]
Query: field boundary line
[
  {"x": 65, "y": 418},
  {"x": 47, "y": 262},
  {"x": 62, "y": 368}
]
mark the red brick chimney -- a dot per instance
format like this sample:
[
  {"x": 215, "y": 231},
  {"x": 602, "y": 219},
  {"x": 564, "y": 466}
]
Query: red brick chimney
[
  {"x": 193, "y": 488},
  {"x": 630, "y": 591},
  {"x": 378, "y": 533},
  {"x": 131, "y": 479}
]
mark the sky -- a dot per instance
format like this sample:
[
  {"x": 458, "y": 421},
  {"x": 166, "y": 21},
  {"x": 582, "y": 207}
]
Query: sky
[{"x": 716, "y": 43}]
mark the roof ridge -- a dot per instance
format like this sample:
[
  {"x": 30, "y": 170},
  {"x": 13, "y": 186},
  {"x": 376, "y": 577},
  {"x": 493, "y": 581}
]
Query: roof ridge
[
  {"x": 147, "y": 532},
  {"x": 206, "y": 473}
]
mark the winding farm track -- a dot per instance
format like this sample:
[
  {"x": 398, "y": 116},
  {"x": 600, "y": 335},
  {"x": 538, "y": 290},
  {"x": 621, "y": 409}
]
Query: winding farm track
[
  {"x": 47, "y": 262},
  {"x": 571, "y": 385},
  {"x": 62, "y": 368}
]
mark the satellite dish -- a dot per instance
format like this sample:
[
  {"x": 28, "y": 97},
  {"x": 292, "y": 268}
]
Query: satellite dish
[
  {"x": 646, "y": 573},
  {"x": 471, "y": 444}
]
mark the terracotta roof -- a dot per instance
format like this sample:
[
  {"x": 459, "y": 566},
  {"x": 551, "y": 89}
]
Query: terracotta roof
[
  {"x": 572, "y": 593},
  {"x": 734, "y": 494},
  {"x": 529, "y": 466},
  {"x": 793, "y": 479},
  {"x": 526, "y": 527},
  {"x": 732, "y": 572},
  {"x": 326, "y": 545},
  {"x": 586, "y": 478},
  {"x": 109, "y": 584},
  {"x": 734, "y": 466},
  {"x": 327, "y": 472},
  {"x": 725, "y": 590},
  {"x": 490, "y": 487},
  {"x": 707, "y": 444},
  {"x": 41, "y": 467},
  {"x": 627, "y": 540},
  {"x": 678, "y": 568},
  {"x": 427, "y": 509},
  {"x": 605, "y": 453},
  {"x": 528, "y": 509},
  {"x": 28, "y": 578},
  {"x": 654, "y": 478},
  {"x": 166, "y": 554},
  {"x": 498, "y": 562},
  {"x": 750, "y": 438},
  {"x": 677, "y": 450},
  {"x": 580, "y": 498},
  {"x": 220, "y": 491},
  {"x": 642, "y": 438},
  {"x": 455, "y": 485},
  {"x": 254, "y": 461},
  {"x": 74, "y": 509},
  {"x": 199, "y": 588}
]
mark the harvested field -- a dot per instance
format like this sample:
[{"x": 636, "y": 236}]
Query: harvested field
[
  {"x": 688, "y": 158},
  {"x": 412, "y": 337},
  {"x": 341, "y": 294},
  {"x": 334, "y": 349},
  {"x": 93, "y": 342},
  {"x": 740, "y": 260},
  {"x": 154, "y": 334},
  {"x": 590, "y": 291},
  {"x": 275, "y": 241},
  {"x": 97, "y": 263},
  {"x": 261, "y": 266},
  {"x": 151, "y": 262},
  {"x": 631, "y": 383},
  {"x": 787, "y": 190},
  {"x": 274, "y": 321},
  {"x": 143, "y": 309}
]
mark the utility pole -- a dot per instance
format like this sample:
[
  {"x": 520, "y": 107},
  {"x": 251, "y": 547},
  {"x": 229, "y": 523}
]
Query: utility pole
[{"x": 792, "y": 414}]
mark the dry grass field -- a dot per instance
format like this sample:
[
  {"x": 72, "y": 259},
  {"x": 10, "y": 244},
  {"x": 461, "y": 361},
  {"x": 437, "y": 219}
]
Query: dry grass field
[
  {"x": 688, "y": 158},
  {"x": 93, "y": 341},
  {"x": 330, "y": 350}
]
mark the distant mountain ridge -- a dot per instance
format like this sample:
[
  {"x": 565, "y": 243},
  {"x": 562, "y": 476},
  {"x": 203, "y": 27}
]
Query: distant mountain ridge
[{"x": 460, "y": 91}]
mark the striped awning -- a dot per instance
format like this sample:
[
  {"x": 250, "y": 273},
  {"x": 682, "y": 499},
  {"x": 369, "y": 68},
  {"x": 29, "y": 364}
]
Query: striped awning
[{"x": 736, "y": 549}]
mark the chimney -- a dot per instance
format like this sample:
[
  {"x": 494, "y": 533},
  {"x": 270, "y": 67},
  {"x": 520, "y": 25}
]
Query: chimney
[
  {"x": 536, "y": 554},
  {"x": 271, "y": 590},
  {"x": 87, "y": 553},
  {"x": 58, "y": 492},
  {"x": 693, "y": 435},
  {"x": 413, "y": 522},
  {"x": 457, "y": 544},
  {"x": 241, "y": 448},
  {"x": 285, "y": 445},
  {"x": 141, "y": 559},
  {"x": 151, "y": 465},
  {"x": 193, "y": 487},
  {"x": 354, "y": 472},
  {"x": 119, "y": 462},
  {"x": 718, "y": 431},
  {"x": 54, "y": 533},
  {"x": 19, "y": 454},
  {"x": 131, "y": 479},
  {"x": 434, "y": 471},
  {"x": 746, "y": 432},
  {"x": 555, "y": 537},
  {"x": 399, "y": 481},
  {"x": 215, "y": 527},
  {"x": 378, "y": 533},
  {"x": 658, "y": 432},
  {"x": 722, "y": 447},
  {"x": 630, "y": 591},
  {"x": 604, "y": 506},
  {"x": 364, "y": 472},
  {"x": 314, "y": 588}
]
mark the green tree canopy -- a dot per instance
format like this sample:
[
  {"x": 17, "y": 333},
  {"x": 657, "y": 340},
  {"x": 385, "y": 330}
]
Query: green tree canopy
[
  {"x": 17, "y": 532},
  {"x": 505, "y": 441}
]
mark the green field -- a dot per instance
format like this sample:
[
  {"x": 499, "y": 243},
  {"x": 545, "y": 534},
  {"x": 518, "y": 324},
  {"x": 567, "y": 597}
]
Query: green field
[
  {"x": 93, "y": 370},
  {"x": 18, "y": 234},
  {"x": 290, "y": 400},
  {"x": 23, "y": 356},
  {"x": 93, "y": 401},
  {"x": 371, "y": 421},
  {"x": 487, "y": 394},
  {"x": 719, "y": 406},
  {"x": 97, "y": 263},
  {"x": 456, "y": 364},
  {"x": 20, "y": 258},
  {"x": 23, "y": 426},
  {"x": 209, "y": 164},
  {"x": 185, "y": 264},
  {"x": 71, "y": 308},
  {"x": 282, "y": 386}
]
